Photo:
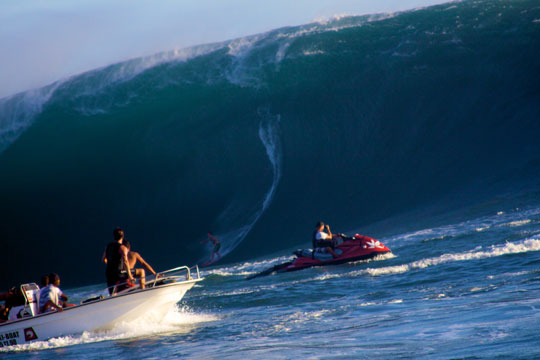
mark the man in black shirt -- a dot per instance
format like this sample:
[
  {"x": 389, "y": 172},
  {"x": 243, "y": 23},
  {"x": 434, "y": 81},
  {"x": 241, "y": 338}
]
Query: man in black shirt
[{"x": 115, "y": 256}]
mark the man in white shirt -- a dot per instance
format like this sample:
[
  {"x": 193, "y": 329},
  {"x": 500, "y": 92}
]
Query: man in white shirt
[
  {"x": 50, "y": 296},
  {"x": 323, "y": 241}
]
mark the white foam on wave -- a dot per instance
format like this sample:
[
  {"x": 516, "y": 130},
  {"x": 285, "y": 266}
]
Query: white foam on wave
[
  {"x": 313, "y": 52},
  {"x": 336, "y": 19},
  {"x": 242, "y": 46},
  {"x": 501, "y": 219},
  {"x": 246, "y": 268},
  {"x": 240, "y": 49},
  {"x": 96, "y": 81},
  {"x": 493, "y": 251},
  {"x": 528, "y": 245},
  {"x": 385, "y": 256},
  {"x": 237, "y": 292},
  {"x": 125, "y": 71},
  {"x": 381, "y": 303},
  {"x": 381, "y": 257},
  {"x": 222, "y": 272},
  {"x": 288, "y": 321},
  {"x": 516, "y": 223},
  {"x": 269, "y": 136},
  {"x": 243, "y": 49},
  {"x": 17, "y": 112},
  {"x": 178, "y": 320}
]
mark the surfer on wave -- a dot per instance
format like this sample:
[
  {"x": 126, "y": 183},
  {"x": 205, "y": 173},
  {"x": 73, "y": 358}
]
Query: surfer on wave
[{"x": 217, "y": 246}]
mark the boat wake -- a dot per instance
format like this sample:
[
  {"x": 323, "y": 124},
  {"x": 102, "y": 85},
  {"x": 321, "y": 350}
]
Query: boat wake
[
  {"x": 479, "y": 253},
  {"x": 179, "y": 320},
  {"x": 246, "y": 268}
]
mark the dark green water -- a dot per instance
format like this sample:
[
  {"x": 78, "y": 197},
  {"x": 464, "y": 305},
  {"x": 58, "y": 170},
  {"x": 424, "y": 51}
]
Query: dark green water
[{"x": 352, "y": 121}]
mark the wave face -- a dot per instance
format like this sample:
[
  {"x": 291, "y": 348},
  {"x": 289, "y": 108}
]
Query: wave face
[{"x": 350, "y": 121}]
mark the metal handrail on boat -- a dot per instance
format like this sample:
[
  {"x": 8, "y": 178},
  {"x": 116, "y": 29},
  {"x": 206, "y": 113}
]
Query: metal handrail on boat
[{"x": 161, "y": 277}]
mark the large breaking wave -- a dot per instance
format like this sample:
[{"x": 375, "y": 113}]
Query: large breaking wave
[{"x": 352, "y": 121}]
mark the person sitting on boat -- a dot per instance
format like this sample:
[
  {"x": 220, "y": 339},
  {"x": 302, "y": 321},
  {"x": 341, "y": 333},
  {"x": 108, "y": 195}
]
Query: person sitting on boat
[
  {"x": 217, "y": 246},
  {"x": 323, "y": 241},
  {"x": 115, "y": 256},
  {"x": 133, "y": 257},
  {"x": 44, "y": 284},
  {"x": 51, "y": 297},
  {"x": 12, "y": 298}
]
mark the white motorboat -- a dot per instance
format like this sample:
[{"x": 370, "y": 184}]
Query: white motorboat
[{"x": 99, "y": 313}]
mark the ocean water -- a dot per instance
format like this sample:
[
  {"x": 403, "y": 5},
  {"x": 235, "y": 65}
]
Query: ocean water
[
  {"x": 350, "y": 121},
  {"x": 463, "y": 290},
  {"x": 419, "y": 129}
]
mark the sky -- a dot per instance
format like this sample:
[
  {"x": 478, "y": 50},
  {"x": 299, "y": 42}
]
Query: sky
[{"x": 42, "y": 41}]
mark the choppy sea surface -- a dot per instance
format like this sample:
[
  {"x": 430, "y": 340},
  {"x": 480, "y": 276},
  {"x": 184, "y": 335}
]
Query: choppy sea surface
[
  {"x": 419, "y": 129},
  {"x": 468, "y": 289},
  {"x": 378, "y": 115}
]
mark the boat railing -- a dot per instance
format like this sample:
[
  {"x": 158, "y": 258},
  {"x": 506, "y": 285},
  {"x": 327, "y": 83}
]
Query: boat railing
[{"x": 178, "y": 274}]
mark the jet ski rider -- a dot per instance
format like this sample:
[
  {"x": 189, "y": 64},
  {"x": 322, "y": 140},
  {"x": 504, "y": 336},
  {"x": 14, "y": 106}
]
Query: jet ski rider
[{"x": 323, "y": 242}]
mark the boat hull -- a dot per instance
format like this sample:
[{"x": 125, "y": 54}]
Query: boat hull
[{"x": 99, "y": 315}]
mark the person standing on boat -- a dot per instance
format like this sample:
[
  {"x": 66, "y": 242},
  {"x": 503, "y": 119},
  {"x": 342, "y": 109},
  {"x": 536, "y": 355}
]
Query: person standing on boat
[
  {"x": 116, "y": 258},
  {"x": 133, "y": 257},
  {"x": 50, "y": 296},
  {"x": 323, "y": 241}
]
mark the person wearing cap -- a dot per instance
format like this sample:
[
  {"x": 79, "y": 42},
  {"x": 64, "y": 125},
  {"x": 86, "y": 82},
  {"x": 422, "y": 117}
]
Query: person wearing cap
[{"x": 323, "y": 240}]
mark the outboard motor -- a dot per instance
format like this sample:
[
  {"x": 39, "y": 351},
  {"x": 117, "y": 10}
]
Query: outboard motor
[
  {"x": 31, "y": 295},
  {"x": 30, "y": 292}
]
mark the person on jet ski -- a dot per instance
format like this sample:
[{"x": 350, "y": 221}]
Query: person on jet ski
[{"x": 323, "y": 241}]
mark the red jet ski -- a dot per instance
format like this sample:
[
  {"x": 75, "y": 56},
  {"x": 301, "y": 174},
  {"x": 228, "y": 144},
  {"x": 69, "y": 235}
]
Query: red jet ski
[{"x": 358, "y": 247}]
